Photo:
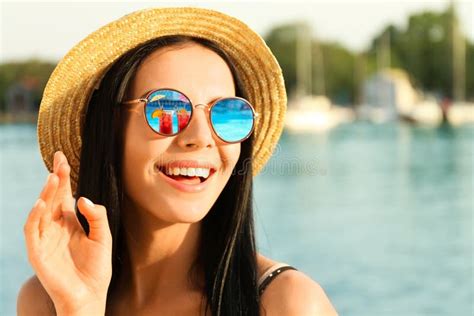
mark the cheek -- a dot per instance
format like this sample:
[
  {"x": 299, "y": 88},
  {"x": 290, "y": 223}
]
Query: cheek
[
  {"x": 230, "y": 155},
  {"x": 135, "y": 149},
  {"x": 141, "y": 149},
  {"x": 135, "y": 167}
]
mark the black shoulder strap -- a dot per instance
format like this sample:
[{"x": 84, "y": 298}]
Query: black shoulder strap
[{"x": 272, "y": 276}]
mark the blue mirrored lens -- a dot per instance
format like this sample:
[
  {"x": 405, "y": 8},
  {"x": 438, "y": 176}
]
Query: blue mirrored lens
[
  {"x": 168, "y": 111},
  {"x": 232, "y": 119}
]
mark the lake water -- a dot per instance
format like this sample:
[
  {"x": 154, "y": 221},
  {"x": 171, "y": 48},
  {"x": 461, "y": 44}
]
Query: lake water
[{"x": 379, "y": 215}]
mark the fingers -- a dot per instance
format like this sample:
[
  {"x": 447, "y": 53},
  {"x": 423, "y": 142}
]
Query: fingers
[
  {"x": 41, "y": 214},
  {"x": 31, "y": 227},
  {"x": 63, "y": 171},
  {"x": 63, "y": 201},
  {"x": 47, "y": 196},
  {"x": 96, "y": 216}
]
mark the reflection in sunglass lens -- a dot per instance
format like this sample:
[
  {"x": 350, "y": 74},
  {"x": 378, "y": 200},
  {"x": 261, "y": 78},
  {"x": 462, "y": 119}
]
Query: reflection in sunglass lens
[
  {"x": 232, "y": 119},
  {"x": 168, "y": 111}
]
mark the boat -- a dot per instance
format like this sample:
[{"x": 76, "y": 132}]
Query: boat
[
  {"x": 310, "y": 112},
  {"x": 315, "y": 113}
]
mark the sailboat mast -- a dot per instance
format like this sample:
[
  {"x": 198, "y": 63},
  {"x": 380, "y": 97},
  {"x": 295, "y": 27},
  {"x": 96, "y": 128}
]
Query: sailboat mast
[
  {"x": 303, "y": 60},
  {"x": 459, "y": 58}
]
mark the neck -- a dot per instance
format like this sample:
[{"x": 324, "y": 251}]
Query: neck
[{"x": 160, "y": 255}]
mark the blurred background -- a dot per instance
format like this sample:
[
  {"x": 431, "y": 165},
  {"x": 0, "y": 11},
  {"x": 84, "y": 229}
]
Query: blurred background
[{"x": 370, "y": 189}]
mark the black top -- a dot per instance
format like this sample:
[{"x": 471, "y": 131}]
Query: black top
[{"x": 272, "y": 275}]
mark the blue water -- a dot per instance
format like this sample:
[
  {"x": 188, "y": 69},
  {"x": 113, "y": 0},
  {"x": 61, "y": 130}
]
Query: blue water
[{"x": 379, "y": 215}]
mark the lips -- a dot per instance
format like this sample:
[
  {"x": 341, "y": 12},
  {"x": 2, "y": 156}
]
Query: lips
[
  {"x": 187, "y": 184},
  {"x": 185, "y": 178}
]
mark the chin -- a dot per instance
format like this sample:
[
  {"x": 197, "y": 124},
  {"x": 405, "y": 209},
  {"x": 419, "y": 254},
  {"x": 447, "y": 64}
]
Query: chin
[{"x": 182, "y": 212}]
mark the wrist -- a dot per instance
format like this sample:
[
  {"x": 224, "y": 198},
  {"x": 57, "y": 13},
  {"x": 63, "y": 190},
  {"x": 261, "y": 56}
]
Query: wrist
[
  {"x": 91, "y": 309},
  {"x": 83, "y": 313}
]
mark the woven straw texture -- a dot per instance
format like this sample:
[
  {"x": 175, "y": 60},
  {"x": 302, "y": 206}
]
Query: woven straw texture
[{"x": 67, "y": 93}]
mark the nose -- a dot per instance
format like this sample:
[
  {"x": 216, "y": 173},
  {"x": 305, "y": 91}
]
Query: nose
[{"x": 198, "y": 133}]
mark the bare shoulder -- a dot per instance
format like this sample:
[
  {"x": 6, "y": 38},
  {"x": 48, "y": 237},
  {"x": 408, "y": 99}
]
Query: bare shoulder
[
  {"x": 33, "y": 299},
  {"x": 293, "y": 293}
]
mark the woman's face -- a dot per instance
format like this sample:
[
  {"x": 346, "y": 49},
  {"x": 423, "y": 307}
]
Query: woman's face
[{"x": 203, "y": 76}]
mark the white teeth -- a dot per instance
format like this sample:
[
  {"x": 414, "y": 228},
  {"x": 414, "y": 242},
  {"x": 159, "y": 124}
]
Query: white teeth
[
  {"x": 199, "y": 172},
  {"x": 191, "y": 172},
  {"x": 202, "y": 172},
  {"x": 205, "y": 173}
]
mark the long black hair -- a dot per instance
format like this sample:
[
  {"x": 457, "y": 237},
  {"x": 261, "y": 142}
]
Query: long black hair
[{"x": 227, "y": 254}]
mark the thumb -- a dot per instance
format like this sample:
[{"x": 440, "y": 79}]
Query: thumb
[{"x": 96, "y": 216}]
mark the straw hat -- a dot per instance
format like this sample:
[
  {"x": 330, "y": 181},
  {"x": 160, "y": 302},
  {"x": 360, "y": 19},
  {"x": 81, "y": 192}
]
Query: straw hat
[{"x": 68, "y": 91}]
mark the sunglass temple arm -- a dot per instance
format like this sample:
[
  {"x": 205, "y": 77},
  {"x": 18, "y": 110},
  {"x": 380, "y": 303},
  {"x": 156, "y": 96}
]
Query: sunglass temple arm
[{"x": 134, "y": 101}]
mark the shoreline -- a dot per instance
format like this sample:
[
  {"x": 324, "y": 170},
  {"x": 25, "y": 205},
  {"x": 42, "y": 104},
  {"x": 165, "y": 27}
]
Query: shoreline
[{"x": 21, "y": 117}]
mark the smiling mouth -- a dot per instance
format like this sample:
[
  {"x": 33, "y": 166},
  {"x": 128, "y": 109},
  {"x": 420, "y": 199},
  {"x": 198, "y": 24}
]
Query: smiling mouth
[{"x": 185, "y": 175}]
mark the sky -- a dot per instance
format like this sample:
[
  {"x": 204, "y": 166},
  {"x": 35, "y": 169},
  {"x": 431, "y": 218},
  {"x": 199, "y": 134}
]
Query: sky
[{"x": 47, "y": 30}]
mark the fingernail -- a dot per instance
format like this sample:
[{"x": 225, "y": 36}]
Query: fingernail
[
  {"x": 88, "y": 202},
  {"x": 59, "y": 165},
  {"x": 37, "y": 202}
]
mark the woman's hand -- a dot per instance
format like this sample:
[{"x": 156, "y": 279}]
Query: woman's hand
[{"x": 75, "y": 269}]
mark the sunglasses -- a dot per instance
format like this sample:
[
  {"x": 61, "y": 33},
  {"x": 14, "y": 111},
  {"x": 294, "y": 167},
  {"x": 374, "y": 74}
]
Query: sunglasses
[{"x": 169, "y": 111}]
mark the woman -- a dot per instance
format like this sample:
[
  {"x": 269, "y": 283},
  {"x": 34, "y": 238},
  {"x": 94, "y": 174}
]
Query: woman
[{"x": 173, "y": 126}]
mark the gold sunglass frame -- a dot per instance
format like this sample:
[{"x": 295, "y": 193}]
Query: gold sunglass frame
[{"x": 208, "y": 107}]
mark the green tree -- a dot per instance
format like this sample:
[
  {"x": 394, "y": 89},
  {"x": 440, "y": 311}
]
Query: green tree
[
  {"x": 335, "y": 61},
  {"x": 338, "y": 73},
  {"x": 282, "y": 42},
  {"x": 33, "y": 70},
  {"x": 425, "y": 50}
]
